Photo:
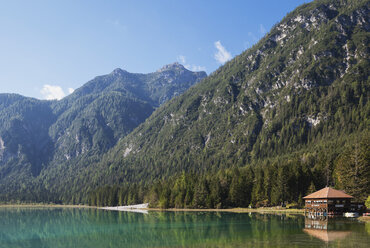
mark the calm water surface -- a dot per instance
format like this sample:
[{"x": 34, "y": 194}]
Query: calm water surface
[{"x": 22, "y": 227}]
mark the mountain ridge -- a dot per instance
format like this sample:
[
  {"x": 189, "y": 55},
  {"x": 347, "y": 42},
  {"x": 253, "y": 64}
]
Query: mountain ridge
[
  {"x": 36, "y": 134},
  {"x": 304, "y": 84},
  {"x": 283, "y": 110}
]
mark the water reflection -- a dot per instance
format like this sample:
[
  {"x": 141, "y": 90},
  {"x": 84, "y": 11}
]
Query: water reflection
[
  {"x": 327, "y": 229},
  {"x": 99, "y": 228}
]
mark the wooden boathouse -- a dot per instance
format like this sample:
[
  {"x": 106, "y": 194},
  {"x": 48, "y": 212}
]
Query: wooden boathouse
[{"x": 327, "y": 201}]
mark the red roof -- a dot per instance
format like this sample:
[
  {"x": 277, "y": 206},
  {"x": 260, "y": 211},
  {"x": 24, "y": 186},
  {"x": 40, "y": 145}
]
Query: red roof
[{"x": 327, "y": 193}]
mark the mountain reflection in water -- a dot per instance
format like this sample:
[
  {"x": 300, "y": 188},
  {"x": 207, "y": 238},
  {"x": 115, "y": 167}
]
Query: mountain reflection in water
[{"x": 62, "y": 228}]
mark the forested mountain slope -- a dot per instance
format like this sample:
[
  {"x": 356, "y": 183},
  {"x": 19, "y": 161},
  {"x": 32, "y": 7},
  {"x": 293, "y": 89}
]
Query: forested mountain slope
[
  {"x": 288, "y": 115},
  {"x": 109, "y": 107},
  {"x": 298, "y": 97},
  {"x": 40, "y": 135}
]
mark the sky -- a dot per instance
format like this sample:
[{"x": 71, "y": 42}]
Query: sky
[{"x": 50, "y": 48}]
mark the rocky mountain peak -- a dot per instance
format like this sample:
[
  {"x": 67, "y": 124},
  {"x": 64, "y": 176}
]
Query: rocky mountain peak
[
  {"x": 118, "y": 71},
  {"x": 173, "y": 66}
]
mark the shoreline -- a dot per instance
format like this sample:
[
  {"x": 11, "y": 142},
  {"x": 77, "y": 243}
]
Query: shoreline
[
  {"x": 230, "y": 210},
  {"x": 365, "y": 219}
]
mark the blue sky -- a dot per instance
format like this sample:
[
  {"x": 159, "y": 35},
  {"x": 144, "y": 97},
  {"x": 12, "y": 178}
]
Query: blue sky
[{"x": 48, "y": 48}]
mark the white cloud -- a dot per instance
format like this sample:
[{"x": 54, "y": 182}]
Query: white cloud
[
  {"x": 51, "y": 92},
  {"x": 182, "y": 60},
  {"x": 195, "y": 67},
  {"x": 222, "y": 55},
  {"x": 262, "y": 29}
]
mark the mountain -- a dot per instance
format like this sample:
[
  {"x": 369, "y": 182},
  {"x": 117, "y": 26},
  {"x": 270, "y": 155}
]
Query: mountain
[
  {"x": 37, "y": 135},
  {"x": 297, "y": 97},
  {"x": 286, "y": 116},
  {"x": 109, "y": 107},
  {"x": 25, "y": 144}
]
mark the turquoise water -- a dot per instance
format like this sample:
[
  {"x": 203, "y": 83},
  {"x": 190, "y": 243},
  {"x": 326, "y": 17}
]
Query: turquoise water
[{"x": 26, "y": 227}]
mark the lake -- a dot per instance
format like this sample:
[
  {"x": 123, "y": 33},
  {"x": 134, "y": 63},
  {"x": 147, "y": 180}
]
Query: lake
[{"x": 66, "y": 227}]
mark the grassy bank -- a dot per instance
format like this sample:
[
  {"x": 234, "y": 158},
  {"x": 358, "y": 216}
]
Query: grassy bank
[{"x": 364, "y": 219}]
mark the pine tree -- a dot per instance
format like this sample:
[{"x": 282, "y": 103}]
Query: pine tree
[
  {"x": 201, "y": 194},
  {"x": 311, "y": 189},
  {"x": 235, "y": 193},
  {"x": 257, "y": 192},
  {"x": 353, "y": 169}
]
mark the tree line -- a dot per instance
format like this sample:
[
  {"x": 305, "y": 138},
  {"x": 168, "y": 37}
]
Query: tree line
[{"x": 272, "y": 183}]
